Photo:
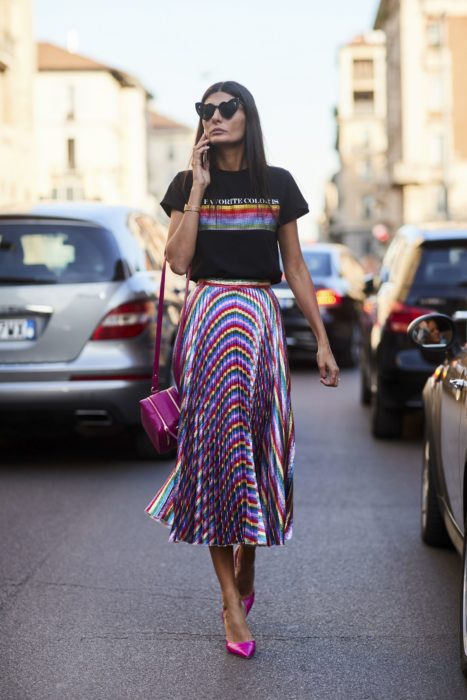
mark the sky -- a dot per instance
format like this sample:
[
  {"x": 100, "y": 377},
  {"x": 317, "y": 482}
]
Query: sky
[{"x": 284, "y": 51}]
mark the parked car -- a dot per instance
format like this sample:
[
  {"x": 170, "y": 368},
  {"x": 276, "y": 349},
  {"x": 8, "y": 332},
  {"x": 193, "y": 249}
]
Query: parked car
[
  {"x": 424, "y": 269},
  {"x": 338, "y": 278},
  {"x": 444, "y": 472},
  {"x": 78, "y": 286}
]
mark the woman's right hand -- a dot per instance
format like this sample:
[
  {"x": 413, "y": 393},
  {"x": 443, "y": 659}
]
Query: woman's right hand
[{"x": 201, "y": 174}]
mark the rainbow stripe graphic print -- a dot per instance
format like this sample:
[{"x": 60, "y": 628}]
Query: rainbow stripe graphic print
[
  {"x": 233, "y": 477},
  {"x": 239, "y": 214}
]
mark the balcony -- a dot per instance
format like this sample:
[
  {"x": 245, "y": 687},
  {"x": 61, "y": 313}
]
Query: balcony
[{"x": 403, "y": 173}]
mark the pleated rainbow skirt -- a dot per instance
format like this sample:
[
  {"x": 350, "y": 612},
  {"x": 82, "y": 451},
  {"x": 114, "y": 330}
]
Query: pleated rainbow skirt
[{"x": 232, "y": 479}]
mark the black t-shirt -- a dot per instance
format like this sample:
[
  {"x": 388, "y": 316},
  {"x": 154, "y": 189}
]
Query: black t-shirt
[{"x": 237, "y": 232}]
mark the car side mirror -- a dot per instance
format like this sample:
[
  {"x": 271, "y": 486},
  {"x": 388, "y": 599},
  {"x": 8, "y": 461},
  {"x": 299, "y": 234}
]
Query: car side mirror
[{"x": 435, "y": 332}]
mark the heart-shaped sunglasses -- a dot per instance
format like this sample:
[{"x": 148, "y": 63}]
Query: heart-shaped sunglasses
[{"x": 226, "y": 109}]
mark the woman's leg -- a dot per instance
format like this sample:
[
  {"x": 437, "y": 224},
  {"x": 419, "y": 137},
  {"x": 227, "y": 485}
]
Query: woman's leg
[
  {"x": 234, "y": 613},
  {"x": 245, "y": 569}
]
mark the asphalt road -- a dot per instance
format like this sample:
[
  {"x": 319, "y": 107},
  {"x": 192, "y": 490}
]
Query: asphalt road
[{"x": 97, "y": 604}]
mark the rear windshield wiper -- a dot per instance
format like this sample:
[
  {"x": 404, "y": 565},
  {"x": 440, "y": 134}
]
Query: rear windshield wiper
[{"x": 26, "y": 280}]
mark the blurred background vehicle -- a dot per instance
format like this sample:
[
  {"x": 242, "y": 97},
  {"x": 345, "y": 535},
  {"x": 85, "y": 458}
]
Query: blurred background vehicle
[
  {"x": 338, "y": 278},
  {"x": 444, "y": 494},
  {"x": 78, "y": 285},
  {"x": 424, "y": 269}
]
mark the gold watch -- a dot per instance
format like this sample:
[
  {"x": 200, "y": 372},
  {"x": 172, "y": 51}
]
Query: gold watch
[{"x": 191, "y": 207}]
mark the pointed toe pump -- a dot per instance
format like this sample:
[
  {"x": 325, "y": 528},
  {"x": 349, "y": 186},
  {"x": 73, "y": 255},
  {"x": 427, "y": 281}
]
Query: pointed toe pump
[
  {"x": 243, "y": 649},
  {"x": 248, "y": 602}
]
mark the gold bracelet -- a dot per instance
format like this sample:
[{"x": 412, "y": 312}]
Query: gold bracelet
[{"x": 191, "y": 207}]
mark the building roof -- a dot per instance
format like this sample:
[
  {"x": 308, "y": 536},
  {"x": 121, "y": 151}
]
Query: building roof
[
  {"x": 159, "y": 121},
  {"x": 51, "y": 57},
  {"x": 374, "y": 37}
]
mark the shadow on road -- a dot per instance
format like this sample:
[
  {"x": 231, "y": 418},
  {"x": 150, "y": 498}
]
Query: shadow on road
[
  {"x": 68, "y": 450},
  {"x": 55, "y": 450}
]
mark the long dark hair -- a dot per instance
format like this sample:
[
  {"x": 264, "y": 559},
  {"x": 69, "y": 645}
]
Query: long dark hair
[{"x": 254, "y": 146}]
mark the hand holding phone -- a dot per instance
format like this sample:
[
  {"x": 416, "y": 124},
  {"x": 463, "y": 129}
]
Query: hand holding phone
[
  {"x": 200, "y": 162},
  {"x": 205, "y": 159}
]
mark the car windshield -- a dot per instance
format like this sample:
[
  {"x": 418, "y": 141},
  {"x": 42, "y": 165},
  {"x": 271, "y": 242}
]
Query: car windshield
[
  {"x": 318, "y": 263},
  {"x": 57, "y": 253},
  {"x": 444, "y": 265}
]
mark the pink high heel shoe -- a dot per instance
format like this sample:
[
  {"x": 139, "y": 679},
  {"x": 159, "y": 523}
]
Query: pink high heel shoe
[{"x": 243, "y": 649}]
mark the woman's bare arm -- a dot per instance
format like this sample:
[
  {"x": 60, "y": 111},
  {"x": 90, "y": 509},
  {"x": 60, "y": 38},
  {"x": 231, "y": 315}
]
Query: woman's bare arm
[
  {"x": 181, "y": 238},
  {"x": 301, "y": 284},
  {"x": 183, "y": 228}
]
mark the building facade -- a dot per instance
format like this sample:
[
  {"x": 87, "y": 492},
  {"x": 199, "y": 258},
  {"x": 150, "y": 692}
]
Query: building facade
[
  {"x": 354, "y": 198},
  {"x": 170, "y": 148},
  {"x": 91, "y": 130},
  {"x": 427, "y": 108},
  {"x": 17, "y": 72}
]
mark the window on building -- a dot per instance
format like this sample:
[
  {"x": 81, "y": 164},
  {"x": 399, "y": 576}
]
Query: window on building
[
  {"x": 441, "y": 202},
  {"x": 434, "y": 34},
  {"x": 70, "y": 98},
  {"x": 437, "y": 149},
  {"x": 366, "y": 139},
  {"x": 363, "y": 69},
  {"x": 170, "y": 153},
  {"x": 364, "y": 102},
  {"x": 365, "y": 169},
  {"x": 71, "y": 154},
  {"x": 368, "y": 207},
  {"x": 435, "y": 93},
  {"x": 69, "y": 193}
]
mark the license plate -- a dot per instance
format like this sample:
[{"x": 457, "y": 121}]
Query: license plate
[{"x": 17, "y": 329}]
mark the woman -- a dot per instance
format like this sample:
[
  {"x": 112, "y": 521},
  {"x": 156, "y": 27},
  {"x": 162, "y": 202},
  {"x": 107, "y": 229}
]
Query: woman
[{"x": 232, "y": 480}]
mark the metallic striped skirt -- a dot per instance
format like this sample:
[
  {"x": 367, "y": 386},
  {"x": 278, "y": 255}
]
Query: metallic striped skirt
[{"x": 232, "y": 479}]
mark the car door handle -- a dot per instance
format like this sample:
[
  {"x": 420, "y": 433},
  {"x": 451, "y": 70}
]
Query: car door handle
[{"x": 458, "y": 383}]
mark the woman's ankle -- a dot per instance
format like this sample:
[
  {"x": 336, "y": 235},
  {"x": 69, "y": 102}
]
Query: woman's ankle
[
  {"x": 231, "y": 598},
  {"x": 245, "y": 570},
  {"x": 246, "y": 585}
]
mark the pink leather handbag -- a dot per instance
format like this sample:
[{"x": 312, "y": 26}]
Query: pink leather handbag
[{"x": 160, "y": 411}]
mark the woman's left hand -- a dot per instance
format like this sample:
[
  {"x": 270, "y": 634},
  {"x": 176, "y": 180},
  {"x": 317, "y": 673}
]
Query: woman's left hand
[{"x": 328, "y": 369}]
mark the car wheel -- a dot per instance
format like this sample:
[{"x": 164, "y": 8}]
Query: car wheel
[
  {"x": 433, "y": 528},
  {"x": 365, "y": 391},
  {"x": 385, "y": 422},
  {"x": 463, "y": 610}
]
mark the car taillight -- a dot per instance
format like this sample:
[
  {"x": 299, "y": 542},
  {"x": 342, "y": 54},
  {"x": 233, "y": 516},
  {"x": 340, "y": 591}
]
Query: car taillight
[
  {"x": 328, "y": 297},
  {"x": 125, "y": 321},
  {"x": 401, "y": 315}
]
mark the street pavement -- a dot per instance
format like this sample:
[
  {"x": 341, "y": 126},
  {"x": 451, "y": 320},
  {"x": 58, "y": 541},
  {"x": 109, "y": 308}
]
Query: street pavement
[{"x": 97, "y": 604}]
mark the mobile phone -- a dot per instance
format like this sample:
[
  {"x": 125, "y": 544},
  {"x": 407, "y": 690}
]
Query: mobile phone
[{"x": 205, "y": 158}]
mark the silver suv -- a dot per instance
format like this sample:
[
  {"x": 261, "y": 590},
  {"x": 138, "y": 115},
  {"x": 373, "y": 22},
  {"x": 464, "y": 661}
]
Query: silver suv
[{"x": 78, "y": 286}]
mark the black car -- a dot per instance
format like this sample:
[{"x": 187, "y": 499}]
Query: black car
[
  {"x": 338, "y": 278},
  {"x": 444, "y": 484},
  {"x": 424, "y": 270}
]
